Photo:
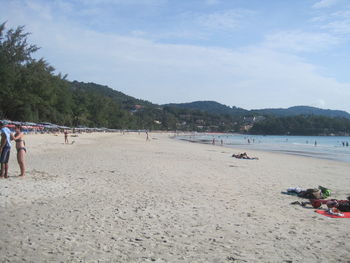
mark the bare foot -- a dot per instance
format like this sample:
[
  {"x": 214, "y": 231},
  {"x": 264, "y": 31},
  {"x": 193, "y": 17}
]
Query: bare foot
[{"x": 21, "y": 175}]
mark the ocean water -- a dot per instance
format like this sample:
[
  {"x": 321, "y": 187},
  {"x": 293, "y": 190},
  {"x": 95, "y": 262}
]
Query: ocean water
[{"x": 324, "y": 147}]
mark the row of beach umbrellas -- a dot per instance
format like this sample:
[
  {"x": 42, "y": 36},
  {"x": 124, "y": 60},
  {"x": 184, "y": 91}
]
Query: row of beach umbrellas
[{"x": 47, "y": 126}]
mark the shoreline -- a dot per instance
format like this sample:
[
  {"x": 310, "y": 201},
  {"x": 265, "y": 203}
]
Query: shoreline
[{"x": 272, "y": 148}]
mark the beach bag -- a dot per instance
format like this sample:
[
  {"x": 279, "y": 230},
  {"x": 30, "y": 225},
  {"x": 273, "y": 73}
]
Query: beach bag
[{"x": 325, "y": 191}]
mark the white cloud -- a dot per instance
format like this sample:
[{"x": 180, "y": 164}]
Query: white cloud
[
  {"x": 325, "y": 3},
  {"x": 256, "y": 77},
  {"x": 165, "y": 73},
  {"x": 42, "y": 9},
  {"x": 339, "y": 22},
  {"x": 300, "y": 41},
  {"x": 228, "y": 19},
  {"x": 338, "y": 27},
  {"x": 320, "y": 103}
]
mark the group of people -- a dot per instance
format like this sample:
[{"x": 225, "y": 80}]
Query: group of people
[
  {"x": 5, "y": 148},
  {"x": 345, "y": 144}
]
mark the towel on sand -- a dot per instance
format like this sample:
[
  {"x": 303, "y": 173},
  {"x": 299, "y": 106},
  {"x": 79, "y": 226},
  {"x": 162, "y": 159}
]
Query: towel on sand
[{"x": 325, "y": 213}]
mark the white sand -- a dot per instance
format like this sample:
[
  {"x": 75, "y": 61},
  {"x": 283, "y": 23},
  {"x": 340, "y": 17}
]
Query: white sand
[{"x": 118, "y": 198}]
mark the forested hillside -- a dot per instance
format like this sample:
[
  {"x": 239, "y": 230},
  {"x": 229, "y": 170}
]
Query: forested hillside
[
  {"x": 302, "y": 125},
  {"x": 302, "y": 110},
  {"x": 211, "y": 107},
  {"x": 218, "y": 108}
]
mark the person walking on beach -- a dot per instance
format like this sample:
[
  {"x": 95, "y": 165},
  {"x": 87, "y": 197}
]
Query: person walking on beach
[
  {"x": 20, "y": 147},
  {"x": 5, "y": 149},
  {"x": 65, "y": 137}
]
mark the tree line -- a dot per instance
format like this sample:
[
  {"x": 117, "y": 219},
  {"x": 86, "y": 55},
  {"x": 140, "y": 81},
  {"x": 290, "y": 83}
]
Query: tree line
[{"x": 302, "y": 125}]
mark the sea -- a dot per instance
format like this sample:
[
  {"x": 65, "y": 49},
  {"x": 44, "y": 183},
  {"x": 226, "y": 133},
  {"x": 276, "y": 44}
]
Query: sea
[{"x": 323, "y": 147}]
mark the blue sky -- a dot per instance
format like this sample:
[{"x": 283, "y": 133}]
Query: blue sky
[{"x": 245, "y": 53}]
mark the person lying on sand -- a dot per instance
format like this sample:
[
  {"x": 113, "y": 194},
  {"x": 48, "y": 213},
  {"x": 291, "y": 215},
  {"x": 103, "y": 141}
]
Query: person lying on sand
[
  {"x": 342, "y": 205},
  {"x": 244, "y": 156}
]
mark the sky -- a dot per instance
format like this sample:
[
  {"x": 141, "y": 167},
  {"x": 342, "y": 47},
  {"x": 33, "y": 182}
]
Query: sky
[{"x": 246, "y": 53}]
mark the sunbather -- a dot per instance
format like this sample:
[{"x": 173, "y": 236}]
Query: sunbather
[
  {"x": 244, "y": 156},
  {"x": 342, "y": 205}
]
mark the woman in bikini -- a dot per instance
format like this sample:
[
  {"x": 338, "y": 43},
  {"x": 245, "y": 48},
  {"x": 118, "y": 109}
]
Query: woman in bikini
[{"x": 20, "y": 146}]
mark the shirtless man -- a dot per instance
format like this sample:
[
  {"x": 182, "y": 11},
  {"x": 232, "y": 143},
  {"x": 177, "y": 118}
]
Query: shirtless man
[
  {"x": 5, "y": 149},
  {"x": 65, "y": 137}
]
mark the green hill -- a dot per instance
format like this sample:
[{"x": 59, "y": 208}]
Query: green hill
[
  {"x": 211, "y": 107},
  {"x": 302, "y": 125},
  {"x": 127, "y": 102},
  {"x": 303, "y": 110},
  {"x": 217, "y": 108}
]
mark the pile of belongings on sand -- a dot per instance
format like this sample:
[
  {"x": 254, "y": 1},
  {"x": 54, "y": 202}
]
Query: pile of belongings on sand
[{"x": 317, "y": 198}]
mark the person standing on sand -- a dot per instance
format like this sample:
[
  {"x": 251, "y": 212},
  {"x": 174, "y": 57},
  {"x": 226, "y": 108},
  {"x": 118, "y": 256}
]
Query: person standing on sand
[
  {"x": 5, "y": 149},
  {"x": 65, "y": 137},
  {"x": 20, "y": 147}
]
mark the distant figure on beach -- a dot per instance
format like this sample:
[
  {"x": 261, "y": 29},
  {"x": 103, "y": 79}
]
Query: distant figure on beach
[
  {"x": 244, "y": 156},
  {"x": 5, "y": 149},
  {"x": 66, "y": 137},
  {"x": 213, "y": 142},
  {"x": 315, "y": 143},
  {"x": 20, "y": 147},
  {"x": 147, "y": 138},
  {"x": 347, "y": 144},
  {"x": 248, "y": 141},
  {"x": 221, "y": 142}
]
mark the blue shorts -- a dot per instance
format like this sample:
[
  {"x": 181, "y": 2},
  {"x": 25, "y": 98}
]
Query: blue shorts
[{"x": 5, "y": 155}]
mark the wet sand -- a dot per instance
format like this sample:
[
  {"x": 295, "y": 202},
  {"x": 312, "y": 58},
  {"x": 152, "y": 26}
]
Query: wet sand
[{"x": 119, "y": 198}]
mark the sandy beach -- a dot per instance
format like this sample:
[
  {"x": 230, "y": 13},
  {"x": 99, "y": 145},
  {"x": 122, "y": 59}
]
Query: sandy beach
[{"x": 120, "y": 198}]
